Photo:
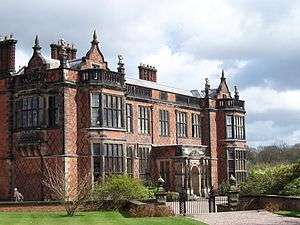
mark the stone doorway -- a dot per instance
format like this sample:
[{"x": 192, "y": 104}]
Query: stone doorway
[{"x": 196, "y": 180}]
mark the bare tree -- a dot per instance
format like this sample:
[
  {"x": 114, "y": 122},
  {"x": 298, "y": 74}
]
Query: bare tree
[{"x": 63, "y": 188}]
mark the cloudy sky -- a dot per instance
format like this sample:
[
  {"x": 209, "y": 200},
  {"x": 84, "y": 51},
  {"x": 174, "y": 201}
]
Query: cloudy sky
[{"x": 257, "y": 42}]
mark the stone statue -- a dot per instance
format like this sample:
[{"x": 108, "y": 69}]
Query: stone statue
[
  {"x": 232, "y": 183},
  {"x": 233, "y": 194},
  {"x": 18, "y": 196}
]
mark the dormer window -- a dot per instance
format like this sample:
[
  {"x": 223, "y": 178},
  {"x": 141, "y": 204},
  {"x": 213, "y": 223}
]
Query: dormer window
[
  {"x": 163, "y": 95},
  {"x": 96, "y": 66}
]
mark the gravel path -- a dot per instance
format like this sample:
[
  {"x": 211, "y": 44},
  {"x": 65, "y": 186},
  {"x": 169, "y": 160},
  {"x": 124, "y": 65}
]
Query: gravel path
[{"x": 261, "y": 217}]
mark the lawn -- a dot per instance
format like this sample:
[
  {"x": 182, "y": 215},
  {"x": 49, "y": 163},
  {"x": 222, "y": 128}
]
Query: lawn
[
  {"x": 289, "y": 213},
  {"x": 90, "y": 218}
]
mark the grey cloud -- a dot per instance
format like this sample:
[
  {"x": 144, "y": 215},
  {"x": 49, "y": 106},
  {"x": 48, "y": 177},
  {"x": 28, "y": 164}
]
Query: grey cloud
[
  {"x": 279, "y": 74},
  {"x": 123, "y": 27}
]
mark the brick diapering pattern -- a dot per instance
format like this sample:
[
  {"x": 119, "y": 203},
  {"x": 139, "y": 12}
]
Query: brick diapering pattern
[
  {"x": 5, "y": 167},
  {"x": 68, "y": 145}
]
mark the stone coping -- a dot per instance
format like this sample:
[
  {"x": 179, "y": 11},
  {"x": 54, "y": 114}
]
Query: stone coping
[{"x": 271, "y": 196}]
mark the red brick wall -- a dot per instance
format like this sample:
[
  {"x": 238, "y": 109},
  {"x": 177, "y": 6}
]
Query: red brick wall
[
  {"x": 154, "y": 136},
  {"x": 4, "y": 141},
  {"x": 70, "y": 121}
]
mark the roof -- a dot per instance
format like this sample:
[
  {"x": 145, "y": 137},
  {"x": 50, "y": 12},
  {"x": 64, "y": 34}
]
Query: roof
[
  {"x": 53, "y": 63},
  {"x": 75, "y": 63},
  {"x": 154, "y": 85}
]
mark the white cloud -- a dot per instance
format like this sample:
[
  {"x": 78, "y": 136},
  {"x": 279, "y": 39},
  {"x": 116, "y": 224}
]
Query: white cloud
[
  {"x": 21, "y": 58},
  {"x": 186, "y": 40},
  {"x": 264, "y": 99},
  {"x": 183, "y": 70}
]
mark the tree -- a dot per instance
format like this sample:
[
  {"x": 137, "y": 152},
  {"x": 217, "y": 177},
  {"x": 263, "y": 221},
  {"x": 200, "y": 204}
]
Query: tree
[
  {"x": 274, "y": 154},
  {"x": 118, "y": 189},
  {"x": 71, "y": 195}
]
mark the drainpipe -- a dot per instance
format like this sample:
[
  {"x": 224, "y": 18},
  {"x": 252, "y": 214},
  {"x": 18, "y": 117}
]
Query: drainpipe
[
  {"x": 152, "y": 131},
  {"x": 176, "y": 134}
]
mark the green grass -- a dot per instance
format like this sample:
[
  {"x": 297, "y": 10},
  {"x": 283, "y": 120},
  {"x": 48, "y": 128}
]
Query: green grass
[
  {"x": 289, "y": 213},
  {"x": 90, "y": 218}
]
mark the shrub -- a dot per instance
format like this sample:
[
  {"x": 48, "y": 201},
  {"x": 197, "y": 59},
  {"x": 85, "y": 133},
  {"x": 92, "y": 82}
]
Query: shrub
[
  {"x": 292, "y": 188},
  {"x": 223, "y": 188},
  {"x": 152, "y": 187},
  {"x": 151, "y": 210},
  {"x": 119, "y": 189},
  {"x": 269, "y": 179},
  {"x": 172, "y": 196}
]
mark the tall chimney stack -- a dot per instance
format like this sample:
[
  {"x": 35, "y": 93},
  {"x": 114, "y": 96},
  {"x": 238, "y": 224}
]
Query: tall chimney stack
[
  {"x": 147, "y": 72},
  {"x": 56, "y": 49},
  {"x": 7, "y": 54}
]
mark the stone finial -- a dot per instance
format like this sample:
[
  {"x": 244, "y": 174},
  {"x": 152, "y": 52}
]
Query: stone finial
[
  {"x": 223, "y": 76},
  {"x": 121, "y": 68},
  {"x": 63, "y": 56},
  {"x": 236, "y": 93},
  {"x": 160, "y": 181},
  {"x": 120, "y": 57},
  {"x": 36, "y": 46},
  {"x": 232, "y": 180},
  {"x": 161, "y": 195},
  {"x": 207, "y": 87},
  {"x": 95, "y": 41},
  {"x": 206, "y": 82}
]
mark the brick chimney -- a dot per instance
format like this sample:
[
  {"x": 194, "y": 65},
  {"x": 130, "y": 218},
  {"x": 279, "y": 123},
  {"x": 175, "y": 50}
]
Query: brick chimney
[
  {"x": 56, "y": 50},
  {"x": 7, "y": 54},
  {"x": 147, "y": 72}
]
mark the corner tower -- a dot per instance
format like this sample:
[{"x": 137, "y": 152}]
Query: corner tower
[{"x": 7, "y": 67}]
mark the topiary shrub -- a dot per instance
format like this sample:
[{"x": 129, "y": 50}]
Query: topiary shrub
[
  {"x": 292, "y": 188},
  {"x": 118, "y": 189},
  {"x": 151, "y": 210}
]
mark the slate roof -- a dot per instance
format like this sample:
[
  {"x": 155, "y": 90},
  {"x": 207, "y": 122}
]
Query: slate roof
[{"x": 156, "y": 86}]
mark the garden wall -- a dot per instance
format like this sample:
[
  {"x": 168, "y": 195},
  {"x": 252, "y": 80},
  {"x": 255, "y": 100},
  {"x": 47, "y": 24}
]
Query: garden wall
[
  {"x": 30, "y": 206},
  {"x": 262, "y": 202}
]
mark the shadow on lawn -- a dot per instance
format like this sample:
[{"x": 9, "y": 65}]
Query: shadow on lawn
[
  {"x": 290, "y": 213},
  {"x": 56, "y": 216}
]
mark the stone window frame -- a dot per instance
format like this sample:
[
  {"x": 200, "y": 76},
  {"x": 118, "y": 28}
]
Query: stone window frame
[
  {"x": 143, "y": 155},
  {"x": 107, "y": 110},
  {"x": 22, "y": 111},
  {"x": 144, "y": 119},
  {"x": 164, "y": 121},
  {"x": 181, "y": 124},
  {"x": 196, "y": 125},
  {"x": 53, "y": 111},
  {"x": 104, "y": 157},
  {"x": 129, "y": 118},
  {"x": 237, "y": 163},
  {"x": 130, "y": 156},
  {"x": 235, "y": 127},
  {"x": 43, "y": 113}
]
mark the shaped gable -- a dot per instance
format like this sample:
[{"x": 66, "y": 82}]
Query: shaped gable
[
  {"x": 94, "y": 57},
  {"x": 37, "y": 61},
  {"x": 223, "y": 90}
]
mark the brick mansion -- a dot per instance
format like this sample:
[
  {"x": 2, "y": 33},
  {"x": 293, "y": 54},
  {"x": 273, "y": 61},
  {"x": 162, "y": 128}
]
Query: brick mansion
[{"x": 76, "y": 113}]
